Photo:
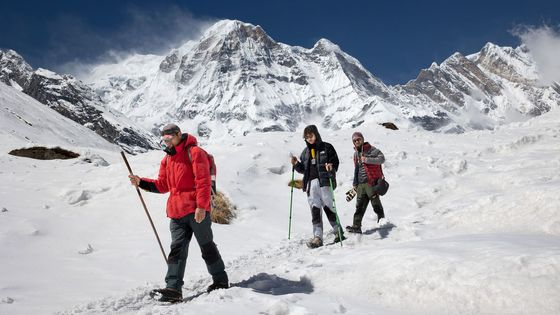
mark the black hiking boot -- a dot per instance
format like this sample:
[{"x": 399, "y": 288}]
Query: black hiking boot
[
  {"x": 379, "y": 217},
  {"x": 167, "y": 295},
  {"x": 337, "y": 238},
  {"x": 217, "y": 285},
  {"x": 354, "y": 229},
  {"x": 380, "y": 213}
]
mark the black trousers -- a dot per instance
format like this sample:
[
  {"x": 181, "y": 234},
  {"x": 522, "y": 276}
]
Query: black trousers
[{"x": 182, "y": 231}]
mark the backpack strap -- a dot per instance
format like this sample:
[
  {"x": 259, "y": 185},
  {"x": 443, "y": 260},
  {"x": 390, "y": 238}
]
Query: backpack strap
[{"x": 188, "y": 148}]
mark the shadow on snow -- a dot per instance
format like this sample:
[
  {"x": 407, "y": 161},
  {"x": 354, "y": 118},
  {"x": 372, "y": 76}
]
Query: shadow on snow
[
  {"x": 382, "y": 230},
  {"x": 274, "y": 285}
]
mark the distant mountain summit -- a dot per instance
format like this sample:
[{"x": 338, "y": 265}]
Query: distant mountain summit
[{"x": 236, "y": 79}]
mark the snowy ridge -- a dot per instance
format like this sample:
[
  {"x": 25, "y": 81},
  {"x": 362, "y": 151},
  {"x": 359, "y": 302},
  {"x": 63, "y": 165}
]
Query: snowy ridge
[
  {"x": 74, "y": 100},
  {"x": 236, "y": 79},
  {"x": 26, "y": 122},
  {"x": 496, "y": 86}
]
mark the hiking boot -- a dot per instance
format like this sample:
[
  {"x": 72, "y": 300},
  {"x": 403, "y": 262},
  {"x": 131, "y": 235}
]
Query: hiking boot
[
  {"x": 380, "y": 213},
  {"x": 315, "y": 242},
  {"x": 217, "y": 285},
  {"x": 337, "y": 238},
  {"x": 168, "y": 295},
  {"x": 354, "y": 229},
  {"x": 382, "y": 221}
]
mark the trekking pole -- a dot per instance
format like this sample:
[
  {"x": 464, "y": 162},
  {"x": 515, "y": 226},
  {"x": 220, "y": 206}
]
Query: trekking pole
[
  {"x": 335, "y": 212},
  {"x": 291, "y": 198},
  {"x": 145, "y": 209}
]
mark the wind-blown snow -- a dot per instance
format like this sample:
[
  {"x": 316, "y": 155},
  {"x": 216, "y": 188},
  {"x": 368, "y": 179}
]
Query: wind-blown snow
[{"x": 473, "y": 226}]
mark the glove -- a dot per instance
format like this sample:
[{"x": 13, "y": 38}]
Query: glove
[{"x": 351, "y": 194}]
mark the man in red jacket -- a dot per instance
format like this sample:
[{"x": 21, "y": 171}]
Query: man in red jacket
[{"x": 185, "y": 173}]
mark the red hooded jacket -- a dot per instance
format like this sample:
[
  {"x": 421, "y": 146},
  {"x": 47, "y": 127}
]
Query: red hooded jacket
[{"x": 189, "y": 184}]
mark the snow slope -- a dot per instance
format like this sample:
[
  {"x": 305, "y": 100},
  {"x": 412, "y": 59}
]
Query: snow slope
[
  {"x": 474, "y": 228},
  {"x": 26, "y": 122}
]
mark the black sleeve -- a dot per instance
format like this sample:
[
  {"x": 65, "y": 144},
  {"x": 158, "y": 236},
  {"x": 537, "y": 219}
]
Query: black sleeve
[
  {"x": 148, "y": 186},
  {"x": 300, "y": 167},
  {"x": 333, "y": 157}
]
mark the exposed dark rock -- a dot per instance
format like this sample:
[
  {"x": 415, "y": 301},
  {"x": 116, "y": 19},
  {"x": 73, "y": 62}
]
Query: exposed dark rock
[
  {"x": 170, "y": 63},
  {"x": 431, "y": 123},
  {"x": 389, "y": 125},
  {"x": 203, "y": 130},
  {"x": 271, "y": 128},
  {"x": 43, "y": 153}
]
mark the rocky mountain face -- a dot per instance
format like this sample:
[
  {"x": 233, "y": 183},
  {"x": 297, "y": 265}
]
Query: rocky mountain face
[
  {"x": 496, "y": 85},
  {"x": 75, "y": 100},
  {"x": 236, "y": 79}
]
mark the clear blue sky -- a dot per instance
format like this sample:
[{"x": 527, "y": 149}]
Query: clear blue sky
[{"x": 392, "y": 39}]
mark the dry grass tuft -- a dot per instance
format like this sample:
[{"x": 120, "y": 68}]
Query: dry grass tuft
[
  {"x": 222, "y": 211},
  {"x": 297, "y": 183}
]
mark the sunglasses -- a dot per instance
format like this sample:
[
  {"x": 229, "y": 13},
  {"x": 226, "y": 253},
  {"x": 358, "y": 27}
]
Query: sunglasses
[{"x": 167, "y": 138}]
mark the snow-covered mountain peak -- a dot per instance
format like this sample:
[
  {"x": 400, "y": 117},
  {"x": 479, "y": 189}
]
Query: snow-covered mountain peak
[
  {"x": 14, "y": 70},
  {"x": 225, "y": 27},
  {"x": 10, "y": 54},
  {"x": 456, "y": 56},
  {"x": 433, "y": 65},
  {"x": 515, "y": 64},
  {"x": 325, "y": 45},
  {"x": 234, "y": 30}
]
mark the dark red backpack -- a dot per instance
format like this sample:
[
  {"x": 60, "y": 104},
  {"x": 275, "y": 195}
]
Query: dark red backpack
[{"x": 211, "y": 163}]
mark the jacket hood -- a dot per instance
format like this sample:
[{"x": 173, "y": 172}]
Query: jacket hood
[
  {"x": 186, "y": 140},
  {"x": 313, "y": 129},
  {"x": 191, "y": 140}
]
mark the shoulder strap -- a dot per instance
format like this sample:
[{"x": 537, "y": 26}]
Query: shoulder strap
[{"x": 188, "y": 149}]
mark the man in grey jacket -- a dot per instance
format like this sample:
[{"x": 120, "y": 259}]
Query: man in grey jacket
[{"x": 367, "y": 171}]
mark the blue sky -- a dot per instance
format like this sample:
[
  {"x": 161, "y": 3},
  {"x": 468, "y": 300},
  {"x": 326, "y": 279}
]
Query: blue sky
[{"x": 392, "y": 39}]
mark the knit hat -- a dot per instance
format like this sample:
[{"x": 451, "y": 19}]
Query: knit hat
[
  {"x": 170, "y": 129},
  {"x": 357, "y": 135}
]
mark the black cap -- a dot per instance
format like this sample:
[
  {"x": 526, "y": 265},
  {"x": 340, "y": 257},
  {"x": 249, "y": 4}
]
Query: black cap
[{"x": 170, "y": 129}]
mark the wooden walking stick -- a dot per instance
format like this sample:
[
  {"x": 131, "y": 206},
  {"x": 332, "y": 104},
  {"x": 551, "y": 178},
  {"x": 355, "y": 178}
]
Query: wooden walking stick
[{"x": 145, "y": 208}]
